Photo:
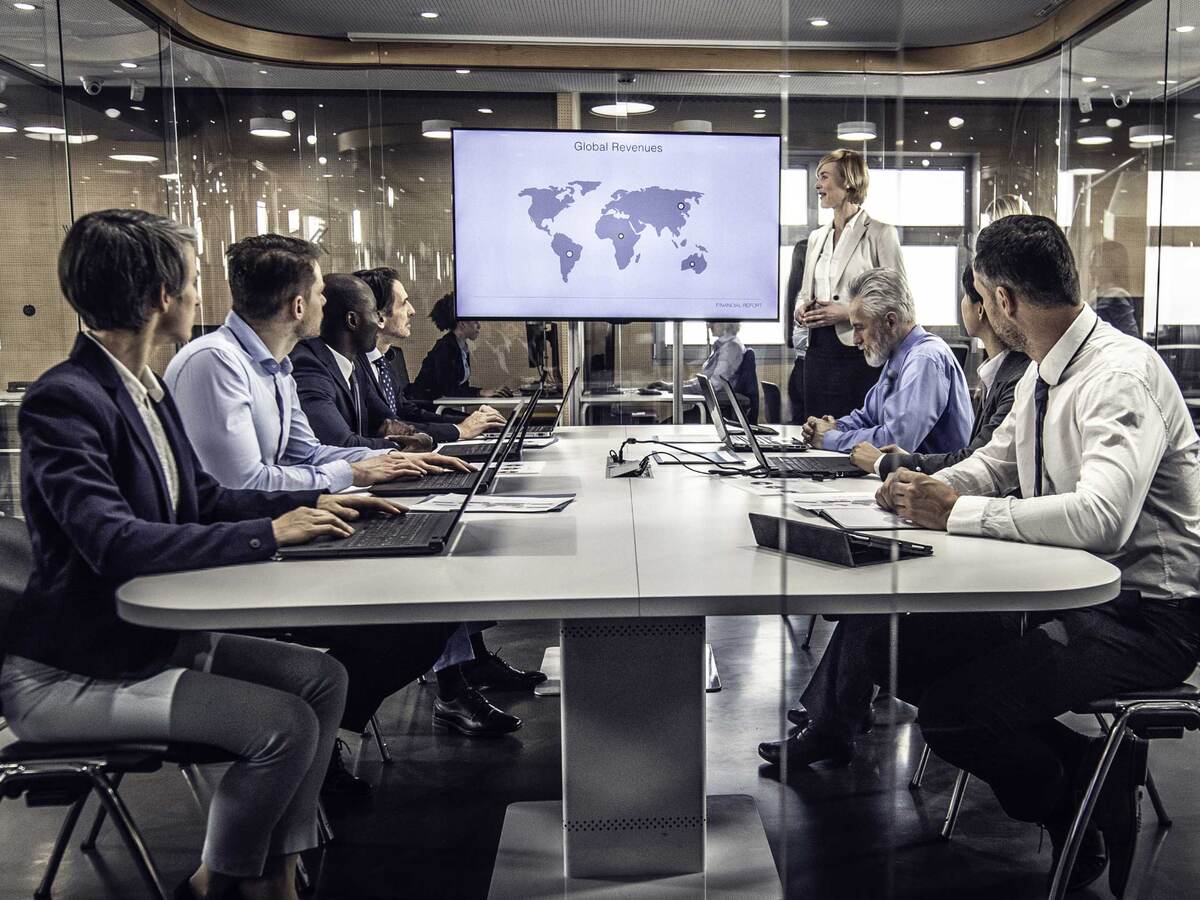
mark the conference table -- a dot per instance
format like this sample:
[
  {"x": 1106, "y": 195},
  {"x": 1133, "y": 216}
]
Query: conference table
[
  {"x": 631, "y": 397},
  {"x": 631, "y": 569}
]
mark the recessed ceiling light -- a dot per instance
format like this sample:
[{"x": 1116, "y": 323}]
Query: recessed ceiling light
[
  {"x": 438, "y": 129},
  {"x": 818, "y": 22},
  {"x": 45, "y": 129},
  {"x": 486, "y": 110},
  {"x": 263, "y": 72},
  {"x": 1168, "y": 81},
  {"x": 269, "y": 127},
  {"x": 1084, "y": 121},
  {"x": 327, "y": 175},
  {"x": 1113, "y": 123},
  {"x": 692, "y": 125},
  {"x": 129, "y": 65},
  {"x": 760, "y": 110},
  {"x": 622, "y": 109},
  {"x": 956, "y": 121},
  {"x": 24, "y": 7},
  {"x": 38, "y": 65},
  {"x": 1148, "y": 135},
  {"x": 980, "y": 81},
  {"x": 429, "y": 15},
  {"x": 1196, "y": 115},
  {"x": 785, "y": 74},
  {"x": 1092, "y": 136},
  {"x": 7, "y": 125},
  {"x": 1185, "y": 29},
  {"x": 321, "y": 160},
  {"x": 138, "y": 108},
  {"x": 462, "y": 71},
  {"x": 925, "y": 163},
  {"x": 289, "y": 115},
  {"x": 935, "y": 145},
  {"x": 759, "y": 116},
  {"x": 112, "y": 113},
  {"x": 311, "y": 140},
  {"x": 133, "y": 157},
  {"x": 1105, "y": 86},
  {"x": 1088, "y": 79}
]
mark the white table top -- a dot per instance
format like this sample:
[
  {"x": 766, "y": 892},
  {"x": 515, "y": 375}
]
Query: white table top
[
  {"x": 676, "y": 544},
  {"x": 631, "y": 395}
]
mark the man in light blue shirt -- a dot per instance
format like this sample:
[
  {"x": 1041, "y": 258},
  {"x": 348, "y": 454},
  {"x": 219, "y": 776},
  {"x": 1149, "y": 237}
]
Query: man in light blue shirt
[
  {"x": 921, "y": 399},
  {"x": 239, "y": 404}
]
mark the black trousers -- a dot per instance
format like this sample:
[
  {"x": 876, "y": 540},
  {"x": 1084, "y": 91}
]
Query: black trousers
[
  {"x": 988, "y": 695},
  {"x": 840, "y": 688},
  {"x": 795, "y": 388},
  {"x": 380, "y": 659},
  {"x": 836, "y": 377}
]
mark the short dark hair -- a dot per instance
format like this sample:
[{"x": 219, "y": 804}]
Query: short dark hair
[
  {"x": 1030, "y": 256},
  {"x": 968, "y": 283},
  {"x": 343, "y": 294},
  {"x": 268, "y": 270},
  {"x": 443, "y": 313},
  {"x": 379, "y": 280},
  {"x": 114, "y": 264}
]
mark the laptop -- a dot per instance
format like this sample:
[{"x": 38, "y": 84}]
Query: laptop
[
  {"x": 462, "y": 482},
  {"x": 845, "y": 548},
  {"x": 737, "y": 443},
  {"x": 792, "y": 466},
  {"x": 477, "y": 449},
  {"x": 412, "y": 534},
  {"x": 546, "y": 429}
]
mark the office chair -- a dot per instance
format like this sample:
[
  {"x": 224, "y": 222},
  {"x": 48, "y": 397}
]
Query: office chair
[
  {"x": 745, "y": 383},
  {"x": 773, "y": 401}
]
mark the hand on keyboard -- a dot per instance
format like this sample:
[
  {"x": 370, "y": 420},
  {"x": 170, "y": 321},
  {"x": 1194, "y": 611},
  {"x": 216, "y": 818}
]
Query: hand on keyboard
[
  {"x": 435, "y": 462},
  {"x": 355, "y": 506},
  {"x": 304, "y": 523}
]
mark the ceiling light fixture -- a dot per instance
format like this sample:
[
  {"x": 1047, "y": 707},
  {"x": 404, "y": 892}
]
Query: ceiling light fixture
[
  {"x": 38, "y": 65},
  {"x": 289, "y": 115},
  {"x": 1185, "y": 29},
  {"x": 785, "y": 74},
  {"x": 1149, "y": 135},
  {"x": 693, "y": 125},
  {"x": 956, "y": 121},
  {"x": 311, "y": 140},
  {"x": 429, "y": 15},
  {"x": 269, "y": 127},
  {"x": 129, "y": 65},
  {"x": 980, "y": 81},
  {"x": 818, "y": 22},
  {"x": 45, "y": 128},
  {"x": 63, "y": 138},
  {"x": 138, "y": 108},
  {"x": 1168, "y": 81},
  {"x": 113, "y": 113},
  {"x": 462, "y": 71},
  {"x": 263, "y": 72},
  {"x": 24, "y": 7},
  {"x": 1088, "y": 79},
  {"x": 1086, "y": 171},
  {"x": 1113, "y": 123},
  {"x": 486, "y": 110},
  {"x": 438, "y": 129},
  {"x": 622, "y": 108},
  {"x": 935, "y": 145},
  {"x": 7, "y": 125},
  {"x": 1092, "y": 136},
  {"x": 759, "y": 116},
  {"x": 856, "y": 131},
  {"x": 133, "y": 157}
]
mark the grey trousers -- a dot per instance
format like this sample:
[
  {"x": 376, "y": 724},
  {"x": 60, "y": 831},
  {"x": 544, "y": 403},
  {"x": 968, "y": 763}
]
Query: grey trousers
[{"x": 276, "y": 706}]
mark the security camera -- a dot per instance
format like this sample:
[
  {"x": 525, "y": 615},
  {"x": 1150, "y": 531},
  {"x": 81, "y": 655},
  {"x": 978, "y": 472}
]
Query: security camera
[
  {"x": 137, "y": 91},
  {"x": 1121, "y": 100},
  {"x": 91, "y": 86},
  {"x": 1085, "y": 104}
]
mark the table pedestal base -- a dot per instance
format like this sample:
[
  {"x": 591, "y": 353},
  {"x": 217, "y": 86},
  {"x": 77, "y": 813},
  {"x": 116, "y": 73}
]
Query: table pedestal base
[
  {"x": 552, "y": 666},
  {"x": 529, "y": 862}
]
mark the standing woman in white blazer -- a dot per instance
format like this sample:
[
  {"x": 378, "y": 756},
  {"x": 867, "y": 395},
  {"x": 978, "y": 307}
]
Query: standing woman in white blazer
[{"x": 836, "y": 376}]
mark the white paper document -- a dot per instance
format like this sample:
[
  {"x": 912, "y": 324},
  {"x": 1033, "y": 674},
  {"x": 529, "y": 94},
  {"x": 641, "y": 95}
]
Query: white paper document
[
  {"x": 854, "y": 512},
  {"x": 495, "y": 503},
  {"x": 523, "y": 467},
  {"x": 531, "y": 443}
]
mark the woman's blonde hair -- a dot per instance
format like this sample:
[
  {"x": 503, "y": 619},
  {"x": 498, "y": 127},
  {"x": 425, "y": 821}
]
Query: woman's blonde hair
[
  {"x": 852, "y": 172},
  {"x": 1006, "y": 205}
]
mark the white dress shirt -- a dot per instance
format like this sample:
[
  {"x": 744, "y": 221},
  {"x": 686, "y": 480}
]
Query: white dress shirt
[
  {"x": 988, "y": 369},
  {"x": 345, "y": 366},
  {"x": 1121, "y": 463},
  {"x": 823, "y": 274},
  {"x": 142, "y": 390},
  {"x": 373, "y": 354}
]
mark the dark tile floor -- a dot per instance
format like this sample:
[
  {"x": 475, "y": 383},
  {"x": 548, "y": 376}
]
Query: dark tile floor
[{"x": 431, "y": 829}]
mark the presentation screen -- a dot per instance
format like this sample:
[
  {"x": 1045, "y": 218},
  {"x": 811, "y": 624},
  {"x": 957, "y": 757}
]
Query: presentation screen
[{"x": 608, "y": 225}]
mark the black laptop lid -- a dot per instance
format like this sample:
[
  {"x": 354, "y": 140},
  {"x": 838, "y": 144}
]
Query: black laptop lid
[
  {"x": 745, "y": 426},
  {"x": 834, "y": 545},
  {"x": 566, "y": 396},
  {"x": 714, "y": 410}
]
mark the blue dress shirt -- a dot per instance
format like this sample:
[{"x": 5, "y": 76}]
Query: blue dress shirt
[
  {"x": 920, "y": 402},
  {"x": 240, "y": 409}
]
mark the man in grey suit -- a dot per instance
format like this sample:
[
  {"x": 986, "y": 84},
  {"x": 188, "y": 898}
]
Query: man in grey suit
[{"x": 998, "y": 377}]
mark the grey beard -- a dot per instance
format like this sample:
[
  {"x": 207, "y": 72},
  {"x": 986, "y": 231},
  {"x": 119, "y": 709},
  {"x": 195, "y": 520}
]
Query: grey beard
[{"x": 876, "y": 358}]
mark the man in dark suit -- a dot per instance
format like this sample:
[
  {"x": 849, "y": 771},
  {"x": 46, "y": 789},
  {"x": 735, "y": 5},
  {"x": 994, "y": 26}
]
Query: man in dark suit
[
  {"x": 390, "y": 374},
  {"x": 342, "y": 406},
  {"x": 998, "y": 377},
  {"x": 836, "y": 703}
]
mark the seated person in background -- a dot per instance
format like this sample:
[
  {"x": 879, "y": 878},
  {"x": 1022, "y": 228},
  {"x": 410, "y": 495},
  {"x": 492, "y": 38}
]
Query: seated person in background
[
  {"x": 998, "y": 377},
  {"x": 342, "y": 407},
  {"x": 239, "y": 404},
  {"x": 921, "y": 399},
  {"x": 396, "y": 312},
  {"x": 1004, "y": 205},
  {"x": 446, "y": 369},
  {"x": 330, "y": 372},
  {"x": 111, "y": 491},
  {"x": 1108, "y": 271},
  {"x": 1118, "y": 476},
  {"x": 723, "y": 362}
]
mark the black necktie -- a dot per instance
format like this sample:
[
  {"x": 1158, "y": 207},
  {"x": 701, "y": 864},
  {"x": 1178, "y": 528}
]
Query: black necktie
[
  {"x": 356, "y": 398},
  {"x": 1041, "y": 393},
  {"x": 387, "y": 382}
]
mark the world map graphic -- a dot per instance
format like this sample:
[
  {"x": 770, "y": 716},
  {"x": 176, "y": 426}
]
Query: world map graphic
[{"x": 622, "y": 221}]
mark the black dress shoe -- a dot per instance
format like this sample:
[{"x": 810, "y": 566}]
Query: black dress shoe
[
  {"x": 339, "y": 782},
  {"x": 805, "y": 748},
  {"x": 1090, "y": 861},
  {"x": 1118, "y": 812},
  {"x": 493, "y": 673},
  {"x": 799, "y": 717},
  {"x": 472, "y": 715}
]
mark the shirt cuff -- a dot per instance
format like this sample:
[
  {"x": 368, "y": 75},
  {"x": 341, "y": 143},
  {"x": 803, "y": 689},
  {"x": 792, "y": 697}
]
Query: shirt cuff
[
  {"x": 878, "y": 460},
  {"x": 339, "y": 474},
  {"x": 967, "y": 515}
]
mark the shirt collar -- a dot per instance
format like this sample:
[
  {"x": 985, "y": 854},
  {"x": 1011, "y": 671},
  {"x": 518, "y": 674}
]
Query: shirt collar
[
  {"x": 1051, "y": 369},
  {"x": 139, "y": 387},
  {"x": 346, "y": 366},
  {"x": 989, "y": 368},
  {"x": 896, "y": 360},
  {"x": 373, "y": 354},
  {"x": 254, "y": 346}
]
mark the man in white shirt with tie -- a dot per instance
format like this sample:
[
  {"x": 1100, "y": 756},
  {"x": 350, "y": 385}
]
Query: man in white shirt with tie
[{"x": 1102, "y": 448}]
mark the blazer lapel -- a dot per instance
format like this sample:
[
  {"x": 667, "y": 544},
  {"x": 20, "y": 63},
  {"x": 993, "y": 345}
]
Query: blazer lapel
[
  {"x": 325, "y": 355},
  {"x": 848, "y": 244},
  {"x": 366, "y": 365},
  {"x": 94, "y": 360}
]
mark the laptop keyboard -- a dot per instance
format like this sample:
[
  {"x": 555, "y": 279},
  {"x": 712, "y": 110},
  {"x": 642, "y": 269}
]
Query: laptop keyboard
[
  {"x": 413, "y": 530},
  {"x": 806, "y": 465},
  {"x": 446, "y": 480}
]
